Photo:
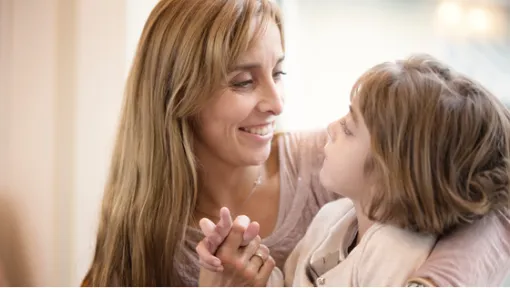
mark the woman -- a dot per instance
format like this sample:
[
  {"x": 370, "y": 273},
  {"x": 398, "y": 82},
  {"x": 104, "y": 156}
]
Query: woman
[{"x": 196, "y": 134}]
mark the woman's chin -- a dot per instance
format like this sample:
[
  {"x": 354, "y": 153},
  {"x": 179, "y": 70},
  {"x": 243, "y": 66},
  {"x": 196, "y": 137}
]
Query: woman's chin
[
  {"x": 258, "y": 156},
  {"x": 260, "y": 159}
]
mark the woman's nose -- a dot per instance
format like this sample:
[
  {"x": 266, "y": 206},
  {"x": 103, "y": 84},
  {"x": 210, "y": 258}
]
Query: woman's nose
[{"x": 272, "y": 100}]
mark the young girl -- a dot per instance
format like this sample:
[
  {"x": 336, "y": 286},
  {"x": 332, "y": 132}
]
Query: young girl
[{"x": 422, "y": 151}]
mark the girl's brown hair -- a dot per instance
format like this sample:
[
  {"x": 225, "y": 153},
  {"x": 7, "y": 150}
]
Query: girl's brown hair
[
  {"x": 184, "y": 53},
  {"x": 440, "y": 145}
]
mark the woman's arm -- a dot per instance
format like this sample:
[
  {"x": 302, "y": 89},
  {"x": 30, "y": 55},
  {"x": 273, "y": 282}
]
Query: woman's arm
[{"x": 475, "y": 255}]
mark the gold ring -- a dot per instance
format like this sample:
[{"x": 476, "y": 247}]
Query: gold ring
[{"x": 260, "y": 255}]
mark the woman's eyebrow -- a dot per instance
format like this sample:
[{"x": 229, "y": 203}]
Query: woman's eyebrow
[{"x": 251, "y": 66}]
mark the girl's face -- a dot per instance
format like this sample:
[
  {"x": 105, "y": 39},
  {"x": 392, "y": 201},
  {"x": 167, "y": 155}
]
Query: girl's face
[{"x": 347, "y": 152}]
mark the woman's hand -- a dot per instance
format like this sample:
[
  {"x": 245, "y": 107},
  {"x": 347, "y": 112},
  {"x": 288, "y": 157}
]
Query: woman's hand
[
  {"x": 250, "y": 265},
  {"x": 216, "y": 234}
]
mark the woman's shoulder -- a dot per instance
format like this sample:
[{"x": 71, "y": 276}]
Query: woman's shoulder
[
  {"x": 303, "y": 141},
  {"x": 302, "y": 149},
  {"x": 301, "y": 155}
]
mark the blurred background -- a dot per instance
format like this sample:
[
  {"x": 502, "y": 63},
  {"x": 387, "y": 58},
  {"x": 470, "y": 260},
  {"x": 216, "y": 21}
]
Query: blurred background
[{"x": 63, "y": 64}]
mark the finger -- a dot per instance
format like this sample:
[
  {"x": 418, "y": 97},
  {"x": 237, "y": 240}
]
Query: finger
[
  {"x": 250, "y": 250},
  {"x": 256, "y": 262},
  {"x": 207, "y": 226},
  {"x": 224, "y": 225},
  {"x": 231, "y": 245},
  {"x": 251, "y": 232},
  {"x": 209, "y": 230},
  {"x": 222, "y": 228},
  {"x": 205, "y": 255},
  {"x": 209, "y": 267},
  {"x": 216, "y": 233},
  {"x": 265, "y": 272},
  {"x": 225, "y": 219}
]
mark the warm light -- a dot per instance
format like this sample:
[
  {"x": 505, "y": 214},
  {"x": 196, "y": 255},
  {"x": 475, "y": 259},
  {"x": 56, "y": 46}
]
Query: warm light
[
  {"x": 479, "y": 19},
  {"x": 450, "y": 13},
  {"x": 458, "y": 18}
]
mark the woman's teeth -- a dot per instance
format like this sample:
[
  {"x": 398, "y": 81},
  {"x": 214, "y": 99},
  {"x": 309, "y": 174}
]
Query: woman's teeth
[{"x": 262, "y": 131}]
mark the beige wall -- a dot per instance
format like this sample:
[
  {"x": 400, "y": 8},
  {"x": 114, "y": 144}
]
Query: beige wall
[
  {"x": 62, "y": 70},
  {"x": 101, "y": 34},
  {"x": 27, "y": 196}
]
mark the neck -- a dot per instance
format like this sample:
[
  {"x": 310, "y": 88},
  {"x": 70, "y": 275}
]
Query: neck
[
  {"x": 224, "y": 185},
  {"x": 363, "y": 222}
]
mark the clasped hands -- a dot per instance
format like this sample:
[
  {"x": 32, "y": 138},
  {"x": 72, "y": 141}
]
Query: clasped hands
[{"x": 231, "y": 253}]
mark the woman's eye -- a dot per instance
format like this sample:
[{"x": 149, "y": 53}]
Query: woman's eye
[{"x": 242, "y": 84}]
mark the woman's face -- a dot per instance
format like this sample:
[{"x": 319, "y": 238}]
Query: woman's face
[{"x": 238, "y": 125}]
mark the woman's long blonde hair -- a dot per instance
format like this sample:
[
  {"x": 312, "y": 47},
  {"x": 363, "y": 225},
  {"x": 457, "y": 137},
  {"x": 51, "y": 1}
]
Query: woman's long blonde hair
[{"x": 184, "y": 53}]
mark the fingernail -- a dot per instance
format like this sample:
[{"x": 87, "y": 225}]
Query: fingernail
[
  {"x": 243, "y": 221},
  {"x": 217, "y": 262}
]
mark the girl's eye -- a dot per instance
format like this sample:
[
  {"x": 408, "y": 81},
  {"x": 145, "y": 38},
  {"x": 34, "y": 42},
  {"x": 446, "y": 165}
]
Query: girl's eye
[
  {"x": 278, "y": 75},
  {"x": 346, "y": 130}
]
